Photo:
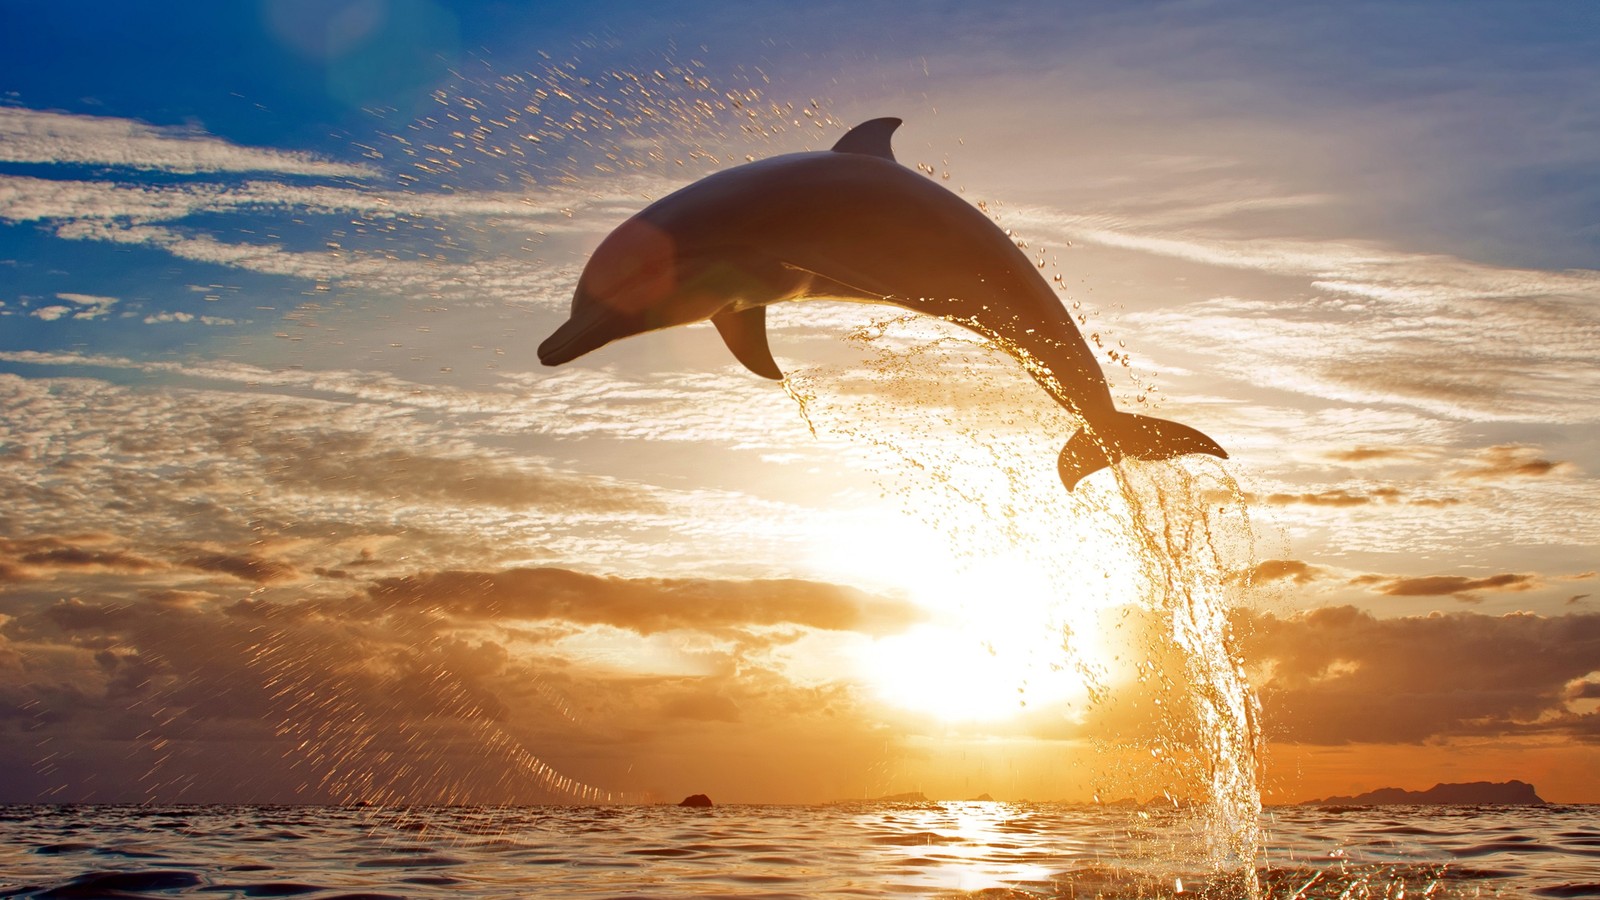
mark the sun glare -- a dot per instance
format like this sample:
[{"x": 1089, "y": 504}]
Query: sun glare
[{"x": 1003, "y": 636}]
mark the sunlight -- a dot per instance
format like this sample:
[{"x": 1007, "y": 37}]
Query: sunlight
[
  {"x": 956, "y": 850},
  {"x": 1005, "y": 634},
  {"x": 956, "y": 676}
]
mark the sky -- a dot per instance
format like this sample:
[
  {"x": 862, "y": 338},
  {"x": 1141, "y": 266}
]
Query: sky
[{"x": 289, "y": 510}]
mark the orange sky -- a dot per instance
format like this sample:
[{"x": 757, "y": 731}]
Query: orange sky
[{"x": 290, "y": 512}]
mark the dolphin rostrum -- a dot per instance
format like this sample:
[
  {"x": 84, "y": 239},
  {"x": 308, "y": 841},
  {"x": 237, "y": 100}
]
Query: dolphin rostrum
[{"x": 850, "y": 224}]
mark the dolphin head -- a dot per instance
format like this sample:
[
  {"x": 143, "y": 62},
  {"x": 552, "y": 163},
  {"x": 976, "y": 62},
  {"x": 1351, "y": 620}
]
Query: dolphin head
[
  {"x": 671, "y": 264},
  {"x": 626, "y": 289}
]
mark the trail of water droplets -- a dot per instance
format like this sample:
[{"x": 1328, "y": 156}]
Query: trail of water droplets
[{"x": 1184, "y": 532}]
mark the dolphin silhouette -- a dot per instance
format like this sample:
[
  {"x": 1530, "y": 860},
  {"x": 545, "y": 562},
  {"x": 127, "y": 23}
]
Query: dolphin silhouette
[{"x": 850, "y": 224}]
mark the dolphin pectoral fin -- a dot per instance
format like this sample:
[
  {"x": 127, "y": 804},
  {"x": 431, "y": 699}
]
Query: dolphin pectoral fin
[
  {"x": 870, "y": 137},
  {"x": 745, "y": 333},
  {"x": 1127, "y": 434}
]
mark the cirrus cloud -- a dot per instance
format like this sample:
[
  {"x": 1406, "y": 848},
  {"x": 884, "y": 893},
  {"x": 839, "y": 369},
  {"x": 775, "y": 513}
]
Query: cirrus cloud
[{"x": 38, "y": 136}]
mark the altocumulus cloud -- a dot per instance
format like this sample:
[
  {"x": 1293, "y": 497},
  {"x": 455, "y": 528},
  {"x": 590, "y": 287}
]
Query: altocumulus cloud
[{"x": 175, "y": 450}]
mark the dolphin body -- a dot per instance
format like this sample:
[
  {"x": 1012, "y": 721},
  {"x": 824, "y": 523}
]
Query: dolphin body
[{"x": 850, "y": 224}]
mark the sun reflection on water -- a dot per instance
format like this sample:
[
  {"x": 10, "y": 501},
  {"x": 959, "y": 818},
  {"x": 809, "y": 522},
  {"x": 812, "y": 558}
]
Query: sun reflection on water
[{"x": 968, "y": 847}]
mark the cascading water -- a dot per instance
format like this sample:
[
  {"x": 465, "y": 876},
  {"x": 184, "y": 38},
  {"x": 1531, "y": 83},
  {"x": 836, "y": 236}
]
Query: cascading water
[
  {"x": 1168, "y": 539},
  {"x": 1186, "y": 569}
]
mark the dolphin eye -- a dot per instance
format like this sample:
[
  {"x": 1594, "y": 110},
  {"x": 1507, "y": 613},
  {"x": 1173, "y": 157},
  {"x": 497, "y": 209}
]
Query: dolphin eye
[{"x": 633, "y": 268}]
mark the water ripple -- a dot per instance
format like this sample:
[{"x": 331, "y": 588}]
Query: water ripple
[{"x": 980, "y": 850}]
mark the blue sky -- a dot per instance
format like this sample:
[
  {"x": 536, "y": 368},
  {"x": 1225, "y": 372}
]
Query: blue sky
[
  {"x": 1492, "y": 99},
  {"x": 273, "y": 274}
]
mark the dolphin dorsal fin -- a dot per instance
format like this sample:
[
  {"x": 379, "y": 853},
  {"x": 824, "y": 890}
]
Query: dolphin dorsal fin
[
  {"x": 870, "y": 137},
  {"x": 745, "y": 333}
]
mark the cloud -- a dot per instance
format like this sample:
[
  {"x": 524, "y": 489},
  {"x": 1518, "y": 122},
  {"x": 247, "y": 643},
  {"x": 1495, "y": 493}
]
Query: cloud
[
  {"x": 702, "y": 706},
  {"x": 51, "y": 313},
  {"x": 1338, "y": 675},
  {"x": 28, "y": 199},
  {"x": 1373, "y": 454},
  {"x": 400, "y": 250},
  {"x": 1338, "y": 497},
  {"x": 1510, "y": 461},
  {"x": 1458, "y": 586},
  {"x": 80, "y": 558},
  {"x": 76, "y": 615},
  {"x": 35, "y": 136},
  {"x": 1359, "y": 323},
  {"x": 353, "y": 384},
  {"x": 294, "y": 454},
  {"x": 205, "y": 687},
  {"x": 454, "y": 475},
  {"x": 165, "y": 317},
  {"x": 44, "y": 556},
  {"x": 89, "y": 306},
  {"x": 1345, "y": 497},
  {"x": 646, "y": 606},
  {"x": 351, "y": 698},
  {"x": 338, "y": 461},
  {"x": 503, "y": 278},
  {"x": 1584, "y": 690},
  {"x": 243, "y": 566},
  {"x": 1294, "y": 570}
]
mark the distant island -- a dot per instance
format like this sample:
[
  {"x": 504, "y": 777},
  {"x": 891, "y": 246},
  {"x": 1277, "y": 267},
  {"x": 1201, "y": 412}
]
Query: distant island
[
  {"x": 908, "y": 797},
  {"x": 1475, "y": 793},
  {"x": 914, "y": 797}
]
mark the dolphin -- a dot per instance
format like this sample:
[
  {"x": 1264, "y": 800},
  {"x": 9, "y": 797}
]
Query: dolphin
[{"x": 850, "y": 223}]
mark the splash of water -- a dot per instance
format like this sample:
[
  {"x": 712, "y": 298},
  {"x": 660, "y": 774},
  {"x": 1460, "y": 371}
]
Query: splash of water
[
  {"x": 1159, "y": 536},
  {"x": 1185, "y": 562},
  {"x": 355, "y": 732}
]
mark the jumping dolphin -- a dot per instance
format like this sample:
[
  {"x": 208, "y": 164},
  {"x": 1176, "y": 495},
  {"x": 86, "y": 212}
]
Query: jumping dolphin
[{"x": 850, "y": 224}]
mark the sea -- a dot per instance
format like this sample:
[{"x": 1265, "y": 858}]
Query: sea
[{"x": 990, "y": 850}]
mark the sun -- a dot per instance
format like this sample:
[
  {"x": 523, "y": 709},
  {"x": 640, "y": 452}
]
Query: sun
[
  {"x": 996, "y": 645},
  {"x": 956, "y": 677},
  {"x": 1008, "y": 631}
]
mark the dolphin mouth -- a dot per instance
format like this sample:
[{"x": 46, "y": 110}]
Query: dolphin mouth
[{"x": 579, "y": 335}]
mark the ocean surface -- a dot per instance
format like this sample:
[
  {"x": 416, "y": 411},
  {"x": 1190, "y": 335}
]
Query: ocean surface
[{"x": 988, "y": 850}]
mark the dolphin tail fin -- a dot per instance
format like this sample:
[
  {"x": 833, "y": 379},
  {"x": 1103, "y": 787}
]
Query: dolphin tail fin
[{"x": 1127, "y": 434}]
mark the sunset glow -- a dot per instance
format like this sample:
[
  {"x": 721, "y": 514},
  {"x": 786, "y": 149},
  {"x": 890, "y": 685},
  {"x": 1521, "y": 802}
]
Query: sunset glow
[
  {"x": 291, "y": 510},
  {"x": 997, "y": 645}
]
